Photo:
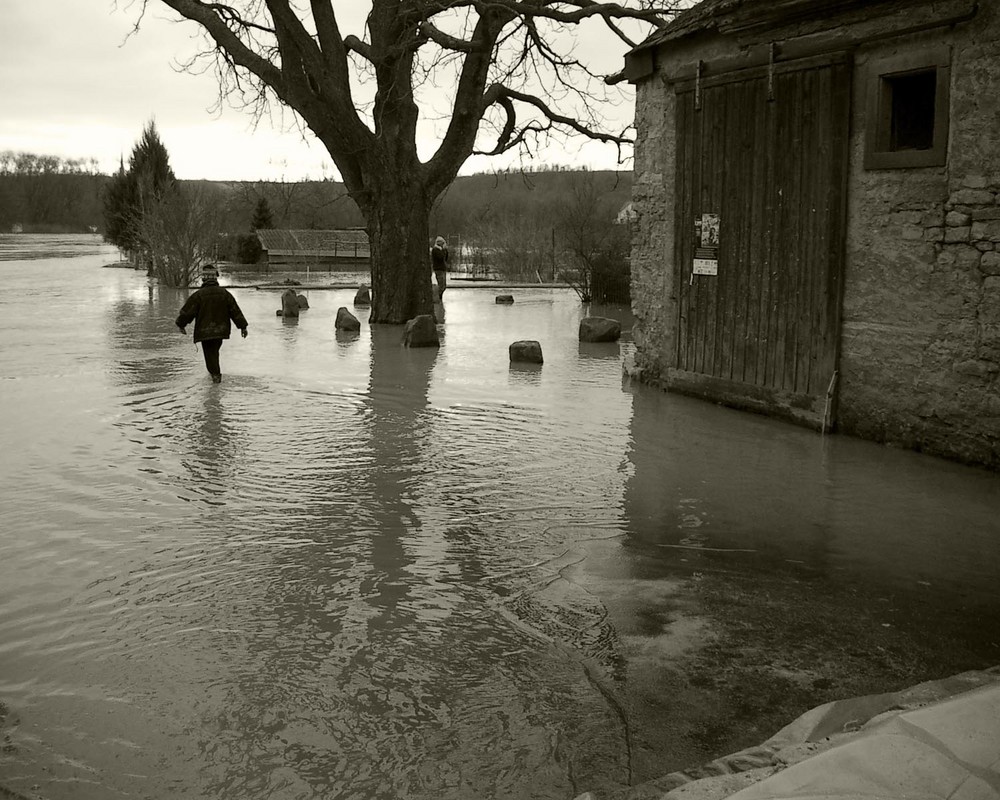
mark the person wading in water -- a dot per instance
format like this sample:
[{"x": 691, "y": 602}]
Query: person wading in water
[{"x": 212, "y": 308}]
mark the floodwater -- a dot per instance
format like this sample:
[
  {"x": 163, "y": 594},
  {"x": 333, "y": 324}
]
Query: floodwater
[{"x": 354, "y": 570}]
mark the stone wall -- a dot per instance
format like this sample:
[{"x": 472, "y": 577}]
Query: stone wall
[
  {"x": 653, "y": 231},
  {"x": 920, "y": 344}
]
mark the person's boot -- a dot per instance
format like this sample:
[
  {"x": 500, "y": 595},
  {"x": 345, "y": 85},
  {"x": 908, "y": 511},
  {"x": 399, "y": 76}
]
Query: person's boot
[{"x": 216, "y": 379}]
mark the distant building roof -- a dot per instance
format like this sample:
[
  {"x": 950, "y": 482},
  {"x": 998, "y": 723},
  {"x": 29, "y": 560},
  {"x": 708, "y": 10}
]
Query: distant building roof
[{"x": 331, "y": 242}]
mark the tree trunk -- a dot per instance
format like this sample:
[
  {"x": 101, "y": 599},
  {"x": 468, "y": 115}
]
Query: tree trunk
[{"x": 398, "y": 230}]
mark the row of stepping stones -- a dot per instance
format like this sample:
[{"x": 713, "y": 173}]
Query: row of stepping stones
[
  {"x": 292, "y": 303},
  {"x": 364, "y": 297},
  {"x": 421, "y": 331},
  {"x": 592, "y": 329}
]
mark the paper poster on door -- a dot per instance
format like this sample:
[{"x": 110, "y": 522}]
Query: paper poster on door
[{"x": 706, "y": 246}]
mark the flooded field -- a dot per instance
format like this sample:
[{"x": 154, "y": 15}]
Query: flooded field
[{"x": 354, "y": 570}]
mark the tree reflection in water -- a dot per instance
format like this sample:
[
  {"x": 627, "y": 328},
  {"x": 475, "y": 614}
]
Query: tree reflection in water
[{"x": 333, "y": 695}]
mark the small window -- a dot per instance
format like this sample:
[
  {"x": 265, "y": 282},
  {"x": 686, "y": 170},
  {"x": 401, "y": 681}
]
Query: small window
[
  {"x": 911, "y": 100},
  {"x": 907, "y": 123}
]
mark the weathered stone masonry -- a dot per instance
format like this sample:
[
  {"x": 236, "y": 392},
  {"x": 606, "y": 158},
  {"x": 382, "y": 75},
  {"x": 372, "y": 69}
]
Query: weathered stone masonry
[{"x": 919, "y": 361}]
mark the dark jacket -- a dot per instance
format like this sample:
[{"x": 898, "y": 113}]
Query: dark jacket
[
  {"x": 439, "y": 258},
  {"x": 212, "y": 308}
]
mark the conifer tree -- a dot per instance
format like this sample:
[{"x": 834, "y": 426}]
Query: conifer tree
[
  {"x": 262, "y": 217},
  {"x": 150, "y": 164},
  {"x": 132, "y": 192}
]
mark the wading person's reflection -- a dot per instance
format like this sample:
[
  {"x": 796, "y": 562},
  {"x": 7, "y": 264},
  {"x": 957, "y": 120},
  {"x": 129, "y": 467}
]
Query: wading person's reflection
[{"x": 212, "y": 309}]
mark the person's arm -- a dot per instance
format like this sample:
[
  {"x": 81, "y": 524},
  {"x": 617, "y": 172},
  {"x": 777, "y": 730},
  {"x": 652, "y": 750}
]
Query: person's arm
[
  {"x": 188, "y": 312},
  {"x": 236, "y": 315}
]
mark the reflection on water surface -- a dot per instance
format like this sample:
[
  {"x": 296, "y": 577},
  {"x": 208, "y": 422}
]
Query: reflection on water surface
[{"x": 356, "y": 570}]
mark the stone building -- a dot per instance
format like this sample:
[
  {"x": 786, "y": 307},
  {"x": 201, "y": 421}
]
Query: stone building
[{"x": 817, "y": 199}]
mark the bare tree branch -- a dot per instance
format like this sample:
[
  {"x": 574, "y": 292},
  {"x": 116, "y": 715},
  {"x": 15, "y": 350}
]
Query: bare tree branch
[{"x": 505, "y": 97}]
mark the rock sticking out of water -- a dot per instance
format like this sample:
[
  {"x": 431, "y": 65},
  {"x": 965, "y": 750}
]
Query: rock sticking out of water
[
  {"x": 346, "y": 321},
  {"x": 289, "y": 303},
  {"x": 421, "y": 331},
  {"x": 526, "y": 351},
  {"x": 363, "y": 297},
  {"x": 600, "y": 329}
]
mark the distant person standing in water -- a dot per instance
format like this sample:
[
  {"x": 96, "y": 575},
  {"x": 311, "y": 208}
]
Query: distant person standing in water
[
  {"x": 212, "y": 308},
  {"x": 439, "y": 262}
]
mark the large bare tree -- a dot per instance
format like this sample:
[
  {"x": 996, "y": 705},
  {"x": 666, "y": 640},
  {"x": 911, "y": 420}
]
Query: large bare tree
[{"x": 505, "y": 67}]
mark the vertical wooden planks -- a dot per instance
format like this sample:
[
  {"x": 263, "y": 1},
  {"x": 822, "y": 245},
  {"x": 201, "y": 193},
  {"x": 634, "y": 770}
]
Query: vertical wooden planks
[
  {"x": 705, "y": 289},
  {"x": 840, "y": 115},
  {"x": 758, "y": 201},
  {"x": 742, "y": 194},
  {"x": 774, "y": 171},
  {"x": 778, "y": 255},
  {"x": 810, "y": 167},
  {"x": 729, "y": 213},
  {"x": 791, "y": 230},
  {"x": 714, "y": 286},
  {"x": 696, "y": 319},
  {"x": 682, "y": 211},
  {"x": 819, "y": 232},
  {"x": 769, "y": 189}
]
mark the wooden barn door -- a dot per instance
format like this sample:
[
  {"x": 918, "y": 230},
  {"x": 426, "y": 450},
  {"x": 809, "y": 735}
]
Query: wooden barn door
[{"x": 764, "y": 153}]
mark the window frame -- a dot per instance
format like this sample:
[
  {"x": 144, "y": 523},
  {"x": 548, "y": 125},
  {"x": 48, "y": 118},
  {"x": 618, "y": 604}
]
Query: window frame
[{"x": 878, "y": 122}]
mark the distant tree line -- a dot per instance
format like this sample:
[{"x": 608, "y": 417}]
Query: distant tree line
[
  {"x": 49, "y": 194},
  {"x": 549, "y": 222}
]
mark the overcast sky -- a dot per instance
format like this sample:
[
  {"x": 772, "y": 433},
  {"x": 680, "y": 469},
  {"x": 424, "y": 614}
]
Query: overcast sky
[{"x": 77, "y": 83}]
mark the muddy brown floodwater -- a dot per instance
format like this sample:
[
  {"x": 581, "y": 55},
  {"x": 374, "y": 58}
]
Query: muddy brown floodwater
[{"x": 354, "y": 570}]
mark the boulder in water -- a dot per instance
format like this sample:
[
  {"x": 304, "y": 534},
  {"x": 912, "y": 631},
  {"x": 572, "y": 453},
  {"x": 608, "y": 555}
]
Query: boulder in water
[
  {"x": 289, "y": 303},
  {"x": 346, "y": 321},
  {"x": 600, "y": 329},
  {"x": 526, "y": 351},
  {"x": 421, "y": 331}
]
